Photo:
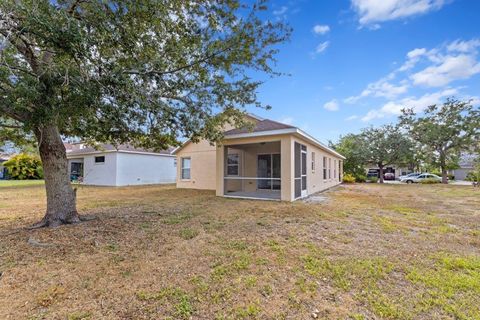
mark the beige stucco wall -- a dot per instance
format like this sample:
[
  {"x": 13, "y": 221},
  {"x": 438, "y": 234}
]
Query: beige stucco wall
[
  {"x": 315, "y": 181},
  {"x": 208, "y": 164},
  {"x": 202, "y": 166},
  {"x": 203, "y": 158}
]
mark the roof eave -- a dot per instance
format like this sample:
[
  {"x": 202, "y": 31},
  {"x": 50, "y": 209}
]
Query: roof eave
[{"x": 285, "y": 131}]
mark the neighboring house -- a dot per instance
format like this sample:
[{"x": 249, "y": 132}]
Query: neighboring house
[
  {"x": 465, "y": 166},
  {"x": 121, "y": 166},
  {"x": 3, "y": 171},
  {"x": 273, "y": 161}
]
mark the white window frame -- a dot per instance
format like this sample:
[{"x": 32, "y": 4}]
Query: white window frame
[
  {"x": 324, "y": 168},
  {"x": 334, "y": 169},
  {"x": 182, "y": 168},
  {"x": 234, "y": 165},
  {"x": 329, "y": 168},
  {"x": 313, "y": 162}
]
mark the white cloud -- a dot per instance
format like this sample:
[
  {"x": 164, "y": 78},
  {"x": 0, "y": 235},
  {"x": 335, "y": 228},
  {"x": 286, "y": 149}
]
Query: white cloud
[
  {"x": 280, "y": 11},
  {"x": 331, "y": 105},
  {"x": 412, "y": 58},
  {"x": 351, "y": 118},
  {"x": 287, "y": 120},
  {"x": 437, "y": 67},
  {"x": 322, "y": 47},
  {"x": 321, "y": 29},
  {"x": 464, "y": 46},
  {"x": 418, "y": 104},
  {"x": 374, "y": 11},
  {"x": 381, "y": 88},
  {"x": 449, "y": 69}
]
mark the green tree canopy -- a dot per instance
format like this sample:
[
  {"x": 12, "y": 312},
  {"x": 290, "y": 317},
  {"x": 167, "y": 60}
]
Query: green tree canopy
[
  {"x": 354, "y": 148},
  {"x": 444, "y": 131},
  {"x": 136, "y": 71},
  {"x": 386, "y": 145}
]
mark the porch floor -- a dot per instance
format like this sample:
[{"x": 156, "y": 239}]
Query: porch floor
[{"x": 259, "y": 194}]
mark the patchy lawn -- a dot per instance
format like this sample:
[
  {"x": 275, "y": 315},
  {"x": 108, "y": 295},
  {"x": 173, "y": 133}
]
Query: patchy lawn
[
  {"x": 20, "y": 183},
  {"x": 367, "y": 252}
]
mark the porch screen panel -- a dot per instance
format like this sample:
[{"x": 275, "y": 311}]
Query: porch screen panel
[
  {"x": 304, "y": 167},
  {"x": 298, "y": 172},
  {"x": 264, "y": 171},
  {"x": 276, "y": 171}
]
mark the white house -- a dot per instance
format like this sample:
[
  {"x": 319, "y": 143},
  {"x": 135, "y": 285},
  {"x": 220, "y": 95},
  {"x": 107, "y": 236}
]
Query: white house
[
  {"x": 123, "y": 165},
  {"x": 3, "y": 171}
]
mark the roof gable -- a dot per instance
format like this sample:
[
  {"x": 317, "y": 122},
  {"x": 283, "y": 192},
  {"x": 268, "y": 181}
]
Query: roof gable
[{"x": 263, "y": 125}]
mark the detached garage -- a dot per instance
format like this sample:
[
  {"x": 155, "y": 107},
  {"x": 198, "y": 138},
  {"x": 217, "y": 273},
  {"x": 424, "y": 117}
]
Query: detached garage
[{"x": 123, "y": 165}]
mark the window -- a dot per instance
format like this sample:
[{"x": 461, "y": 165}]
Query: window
[
  {"x": 233, "y": 160},
  {"x": 324, "y": 168},
  {"x": 313, "y": 161},
  {"x": 329, "y": 168},
  {"x": 185, "y": 174},
  {"x": 100, "y": 159},
  {"x": 334, "y": 169},
  {"x": 175, "y": 162}
]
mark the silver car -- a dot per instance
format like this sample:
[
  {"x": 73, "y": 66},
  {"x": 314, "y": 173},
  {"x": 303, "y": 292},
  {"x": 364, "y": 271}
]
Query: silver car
[
  {"x": 410, "y": 175},
  {"x": 422, "y": 177}
]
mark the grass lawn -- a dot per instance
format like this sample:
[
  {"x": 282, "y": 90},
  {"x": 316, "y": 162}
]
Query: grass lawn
[
  {"x": 20, "y": 183},
  {"x": 368, "y": 252}
]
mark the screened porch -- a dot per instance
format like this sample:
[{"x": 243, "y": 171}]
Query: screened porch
[{"x": 253, "y": 170}]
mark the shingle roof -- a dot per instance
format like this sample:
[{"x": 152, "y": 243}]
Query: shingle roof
[
  {"x": 467, "y": 160},
  {"x": 263, "y": 125},
  {"x": 110, "y": 147}
]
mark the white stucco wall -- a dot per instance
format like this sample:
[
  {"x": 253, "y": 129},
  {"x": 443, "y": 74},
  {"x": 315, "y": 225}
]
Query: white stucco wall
[
  {"x": 134, "y": 169},
  {"x": 100, "y": 174}
]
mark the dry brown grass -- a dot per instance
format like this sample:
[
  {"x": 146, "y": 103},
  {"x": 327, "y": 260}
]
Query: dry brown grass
[{"x": 369, "y": 252}]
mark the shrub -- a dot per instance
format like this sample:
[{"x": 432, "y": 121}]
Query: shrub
[
  {"x": 430, "y": 181},
  {"x": 473, "y": 176},
  {"x": 360, "y": 178},
  {"x": 348, "y": 178},
  {"x": 24, "y": 167},
  {"x": 373, "y": 179}
]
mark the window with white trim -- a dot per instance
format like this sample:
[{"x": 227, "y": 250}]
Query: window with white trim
[
  {"x": 334, "y": 168},
  {"x": 324, "y": 168},
  {"x": 186, "y": 163},
  {"x": 313, "y": 161},
  {"x": 99, "y": 159},
  {"x": 329, "y": 168},
  {"x": 233, "y": 160}
]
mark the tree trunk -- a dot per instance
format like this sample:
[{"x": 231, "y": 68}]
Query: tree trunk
[
  {"x": 61, "y": 207},
  {"x": 380, "y": 167},
  {"x": 443, "y": 166},
  {"x": 444, "y": 174}
]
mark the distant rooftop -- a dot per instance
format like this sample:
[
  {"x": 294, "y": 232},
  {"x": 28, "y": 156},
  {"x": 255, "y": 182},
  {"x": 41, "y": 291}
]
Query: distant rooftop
[{"x": 81, "y": 148}]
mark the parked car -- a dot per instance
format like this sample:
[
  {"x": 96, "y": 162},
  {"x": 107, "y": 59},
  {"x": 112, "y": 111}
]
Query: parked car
[
  {"x": 423, "y": 177},
  {"x": 410, "y": 175},
  {"x": 389, "y": 176},
  {"x": 372, "y": 174}
]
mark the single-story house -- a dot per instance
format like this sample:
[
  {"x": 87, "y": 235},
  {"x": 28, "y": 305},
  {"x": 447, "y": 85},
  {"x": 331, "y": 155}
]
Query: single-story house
[
  {"x": 124, "y": 165},
  {"x": 465, "y": 166},
  {"x": 274, "y": 161}
]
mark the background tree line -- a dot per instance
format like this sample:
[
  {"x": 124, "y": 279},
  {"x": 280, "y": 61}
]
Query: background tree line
[{"x": 432, "y": 141}]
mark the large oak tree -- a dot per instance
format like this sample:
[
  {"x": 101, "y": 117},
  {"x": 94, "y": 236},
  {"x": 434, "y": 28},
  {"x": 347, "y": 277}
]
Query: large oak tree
[
  {"x": 133, "y": 71},
  {"x": 444, "y": 130},
  {"x": 386, "y": 145}
]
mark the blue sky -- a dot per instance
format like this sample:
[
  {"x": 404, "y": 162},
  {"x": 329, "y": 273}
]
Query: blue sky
[{"x": 356, "y": 63}]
